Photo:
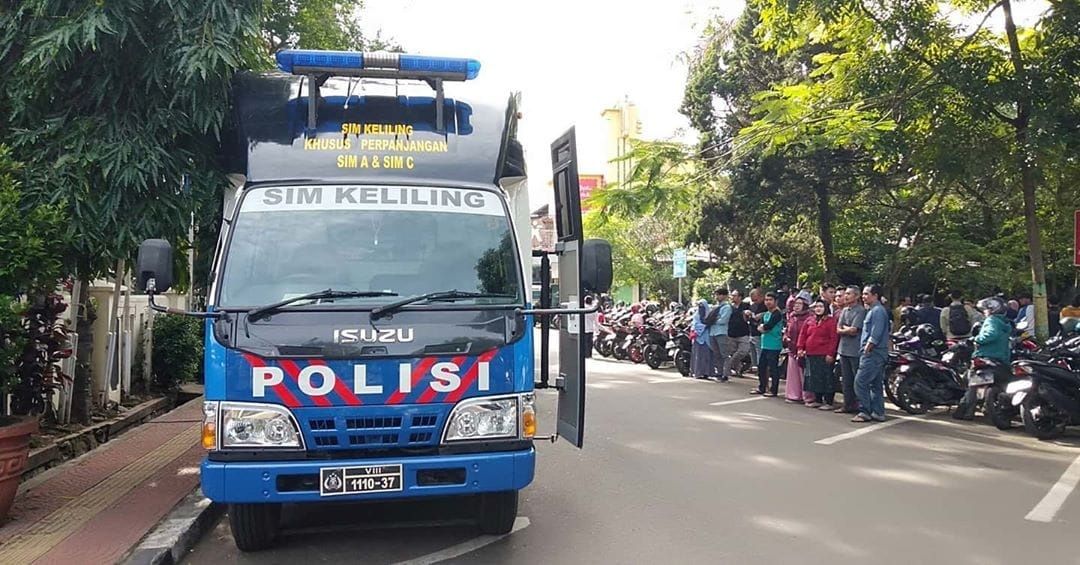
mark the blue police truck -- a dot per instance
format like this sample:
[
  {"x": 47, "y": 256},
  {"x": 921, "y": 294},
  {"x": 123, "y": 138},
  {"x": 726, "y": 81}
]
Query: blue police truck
[{"x": 369, "y": 329}]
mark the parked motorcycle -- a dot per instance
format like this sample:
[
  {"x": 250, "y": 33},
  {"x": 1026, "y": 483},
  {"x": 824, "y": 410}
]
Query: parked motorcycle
[
  {"x": 925, "y": 382},
  {"x": 1046, "y": 389},
  {"x": 679, "y": 349}
]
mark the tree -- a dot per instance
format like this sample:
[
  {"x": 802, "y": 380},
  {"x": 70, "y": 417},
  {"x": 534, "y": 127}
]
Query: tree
[
  {"x": 941, "y": 119},
  {"x": 111, "y": 105},
  {"x": 319, "y": 24}
]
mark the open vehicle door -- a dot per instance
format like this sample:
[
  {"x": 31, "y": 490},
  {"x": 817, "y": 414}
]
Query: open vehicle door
[{"x": 584, "y": 266}]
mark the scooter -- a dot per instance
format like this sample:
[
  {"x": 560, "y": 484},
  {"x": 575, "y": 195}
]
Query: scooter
[
  {"x": 679, "y": 349},
  {"x": 1046, "y": 390}
]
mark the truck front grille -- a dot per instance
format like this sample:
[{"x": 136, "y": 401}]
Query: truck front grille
[{"x": 371, "y": 427}]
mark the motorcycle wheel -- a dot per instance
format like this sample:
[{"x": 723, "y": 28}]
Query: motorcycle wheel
[
  {"x": 1039, "y": 418},
  {"x": 1001, "y": 414},
  {"x": 906, "y": 398},
  {"x": 620, "y": 353},
  {"x": 606, "y": 348},
  {"x": 682, "y": 362},
  {"x": 636, "y": 354},
  {"x": 892, "y": 378},
  {"x": 654, "y": 356}
]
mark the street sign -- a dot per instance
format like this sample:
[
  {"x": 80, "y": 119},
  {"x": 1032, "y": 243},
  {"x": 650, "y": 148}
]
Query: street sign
[{"x": 678, "y": 263}]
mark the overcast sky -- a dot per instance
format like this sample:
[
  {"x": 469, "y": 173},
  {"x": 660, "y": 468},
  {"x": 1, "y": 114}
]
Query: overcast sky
[{"x": 571, "y": 59}]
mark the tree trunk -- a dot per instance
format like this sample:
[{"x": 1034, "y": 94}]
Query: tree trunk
[
  {"x": 81, "y": 395},
  {"x": 1025, "y": 161},
  {"x": 821, "y": 191}
]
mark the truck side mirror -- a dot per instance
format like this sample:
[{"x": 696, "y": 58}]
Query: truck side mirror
[
  {"x": 155, "y": 263},
  {"x": 596, "y": 270}
]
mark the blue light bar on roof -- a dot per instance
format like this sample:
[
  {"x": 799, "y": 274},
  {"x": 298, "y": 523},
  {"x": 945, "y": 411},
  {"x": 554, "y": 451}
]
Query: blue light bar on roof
[{"x": 382, "y": 65}]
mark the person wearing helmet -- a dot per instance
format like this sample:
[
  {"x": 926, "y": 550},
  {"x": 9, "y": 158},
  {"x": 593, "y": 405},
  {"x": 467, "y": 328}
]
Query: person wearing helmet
[{"x": 992, "y": 341}]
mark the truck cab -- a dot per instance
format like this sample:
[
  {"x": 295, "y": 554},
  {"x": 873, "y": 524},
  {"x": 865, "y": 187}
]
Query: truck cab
[{"x": 369, "y": 330}]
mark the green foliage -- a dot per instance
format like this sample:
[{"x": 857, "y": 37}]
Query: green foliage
[
  {"x": 31, "y": 236},
  {"x": 111, "y": 104},
  {"x": 178, "y": 350},
  {"x": 709, "y": 281},
  {"x": 319, "y": 24},
  {"x": 12, "y": 341},
  {"x": 641, "y": 248},
  {"x": 879, "y": 141}
]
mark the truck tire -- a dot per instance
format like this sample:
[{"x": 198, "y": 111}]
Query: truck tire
[
  {"x": 498, "y": 510},
  {"x": 254, "y": 526}
]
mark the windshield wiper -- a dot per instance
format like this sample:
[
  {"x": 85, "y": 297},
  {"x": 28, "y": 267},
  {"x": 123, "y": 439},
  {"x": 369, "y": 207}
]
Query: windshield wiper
[
  {"x": 440, "y": 295},
  {"x": 256, "y": 313}
]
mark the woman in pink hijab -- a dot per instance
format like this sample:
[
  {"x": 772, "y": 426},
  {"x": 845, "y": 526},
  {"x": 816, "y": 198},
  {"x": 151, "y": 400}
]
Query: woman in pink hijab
[{"x": 797, "y": 317}]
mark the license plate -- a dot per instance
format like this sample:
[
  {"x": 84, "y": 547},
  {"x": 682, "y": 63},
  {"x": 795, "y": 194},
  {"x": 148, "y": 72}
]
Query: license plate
[
  {"x": 981, "y": 378},
  {"x": 335, "y": 481}
]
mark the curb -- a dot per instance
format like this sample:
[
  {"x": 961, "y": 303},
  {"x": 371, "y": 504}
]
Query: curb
[{"x": 177, "y": 533}]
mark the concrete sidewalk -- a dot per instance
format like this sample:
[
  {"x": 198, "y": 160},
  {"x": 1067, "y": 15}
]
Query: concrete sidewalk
[{"x": 94, "y": 509}]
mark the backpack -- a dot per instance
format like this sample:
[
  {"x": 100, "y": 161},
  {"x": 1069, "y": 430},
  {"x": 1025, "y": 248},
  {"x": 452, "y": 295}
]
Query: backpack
[
  {"x": 712, "y": 316},
  {"x": 959, "y": 324}
]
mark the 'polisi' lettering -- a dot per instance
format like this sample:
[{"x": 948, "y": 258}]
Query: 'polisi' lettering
[
  {"x": 320, "y": 380},
  {"x": 262, "y": 377}
]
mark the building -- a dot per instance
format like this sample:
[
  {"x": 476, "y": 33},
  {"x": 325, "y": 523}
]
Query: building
[{"x": 623, "y": 126}]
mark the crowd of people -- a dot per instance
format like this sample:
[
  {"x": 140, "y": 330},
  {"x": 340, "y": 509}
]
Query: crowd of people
[{"x": 849, "y": 326}]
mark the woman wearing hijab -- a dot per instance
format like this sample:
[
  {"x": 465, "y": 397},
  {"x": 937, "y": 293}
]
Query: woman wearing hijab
[
  {"x": 701, "y": 360},
  {"x": 817, "y": 344},
  {"x": 796, "y": 319}
]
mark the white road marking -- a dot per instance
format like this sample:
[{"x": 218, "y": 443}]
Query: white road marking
[
  {"x": 863, "y": 431},
  {"x": 739, "y": 401},
  {"x": 1048, "y": 507},
  {"x": 465, "y": 547}
]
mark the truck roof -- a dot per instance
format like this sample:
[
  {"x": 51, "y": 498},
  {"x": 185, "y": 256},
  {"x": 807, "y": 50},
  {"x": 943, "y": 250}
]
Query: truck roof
[{"x": 371, "y": 131}]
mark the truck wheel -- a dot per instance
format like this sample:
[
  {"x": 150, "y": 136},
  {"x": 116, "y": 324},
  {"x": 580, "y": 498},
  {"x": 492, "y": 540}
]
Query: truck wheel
[
  {"x": 254, "y": 526},
  {"x": 498, "y": 510}
]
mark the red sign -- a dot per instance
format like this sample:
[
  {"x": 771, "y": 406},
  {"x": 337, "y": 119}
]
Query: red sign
[
  {"x": 588, "y": 184},
  {"x": 1076, "y": 238}
]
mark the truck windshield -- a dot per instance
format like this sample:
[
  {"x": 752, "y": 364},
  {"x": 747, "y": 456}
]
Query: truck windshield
[{"x": 289, "y": 241}]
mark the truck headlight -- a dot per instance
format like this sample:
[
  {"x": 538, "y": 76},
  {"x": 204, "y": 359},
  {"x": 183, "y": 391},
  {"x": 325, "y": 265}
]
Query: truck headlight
[
  {"x": 246, "y": 424},
  {"x": 484, "y": 418}
]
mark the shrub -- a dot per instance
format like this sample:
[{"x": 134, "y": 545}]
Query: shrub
[
  {"x": 32, "y": 342},
  {"x": 178, "y": 350}
]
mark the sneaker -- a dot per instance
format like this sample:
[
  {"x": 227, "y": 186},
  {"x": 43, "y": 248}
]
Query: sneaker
[
  {"x": 877, "y": 417},
  {"x": 843, "y": 410},
  {"x": 813, "y": 405},
  {"x": 769, "y": 394},
  {"x": 756, "y": 391},
  {"x": 861, "y": 418},
  {"x": 825, "y": 407}
]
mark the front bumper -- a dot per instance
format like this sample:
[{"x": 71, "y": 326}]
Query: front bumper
[{"x": 284, "y": 481}]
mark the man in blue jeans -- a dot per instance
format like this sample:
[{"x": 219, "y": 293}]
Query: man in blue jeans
[{"x": 875, "y": 355}]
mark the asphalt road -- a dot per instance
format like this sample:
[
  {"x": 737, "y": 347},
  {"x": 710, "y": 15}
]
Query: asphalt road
[{"x": 682, "y": 471}]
